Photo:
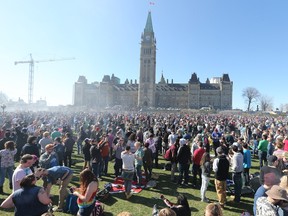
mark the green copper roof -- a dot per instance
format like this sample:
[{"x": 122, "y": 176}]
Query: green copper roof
[{"x": 149, "y": 26}]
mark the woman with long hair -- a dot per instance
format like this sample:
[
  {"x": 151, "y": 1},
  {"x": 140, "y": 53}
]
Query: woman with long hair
[
  {"x": 181, "y": 207},
  {"x": 205, "y": 176},
  {"x": 86, "y": 193},
  {"x": 7, "y": 163}
]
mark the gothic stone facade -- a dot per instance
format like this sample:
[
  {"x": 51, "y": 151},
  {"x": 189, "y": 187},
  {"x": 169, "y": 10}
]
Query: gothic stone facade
[{"x": 216, "y": 92}]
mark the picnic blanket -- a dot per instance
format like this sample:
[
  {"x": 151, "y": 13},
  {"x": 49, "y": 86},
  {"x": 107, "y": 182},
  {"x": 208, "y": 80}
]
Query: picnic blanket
[{"x": 118, "y": 186}]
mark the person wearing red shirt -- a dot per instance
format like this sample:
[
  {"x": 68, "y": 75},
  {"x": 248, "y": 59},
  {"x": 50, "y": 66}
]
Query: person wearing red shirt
[{"x": 196, "y": 170}]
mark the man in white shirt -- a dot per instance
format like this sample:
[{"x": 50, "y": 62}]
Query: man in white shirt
[
  {"x": 128, "y": 170},
  {"x": 22, "y": 170}
]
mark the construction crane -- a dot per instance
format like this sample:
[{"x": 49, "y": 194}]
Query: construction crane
[{"x": 31, "y": 63}]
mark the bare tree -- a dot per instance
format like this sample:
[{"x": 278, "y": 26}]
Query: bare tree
[
  {"x": 284, "y": 107},
  {"x": 266, "y": 103},
  {"x": 251, "y": 95}
]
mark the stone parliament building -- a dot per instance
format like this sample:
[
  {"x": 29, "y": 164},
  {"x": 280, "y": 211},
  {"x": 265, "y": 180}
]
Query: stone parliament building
[{"x": 215, "y": 93}]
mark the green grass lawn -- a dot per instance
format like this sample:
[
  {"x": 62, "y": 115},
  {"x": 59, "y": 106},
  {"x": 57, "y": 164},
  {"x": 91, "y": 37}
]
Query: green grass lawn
[{"x": 142, "y": 203}]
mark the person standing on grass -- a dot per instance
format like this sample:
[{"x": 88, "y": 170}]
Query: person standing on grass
[
  {"x": 7, "y": 163},
  {"x": 262, "y": 150},
  {"x": 147, "y": 161},
  {"x": 59, "y": 150},
  {"x": 45, "y": 141},
  {"x": 118, "y": 148},
  {"x": 128, "y": 170},
  {"x": 216, "y": 139},
  {"x": 221, "y": 169},
  {"x": 22, "y": 170},
  {"x": 184, "y": 160},
  {"x": 96, "y": 158},
  {"x": 49, "y": 158},
  {"x": 31, "y": 147},
  {"x": 68, "y": 144},
  {"x": 138, "y": 162},
  {"x": 174, "y": 148},
  {"x": 196, "y": 169},
  {"x": 105, "y": 154},
  {"x": 62, "y": 174},
  {"x": 81, "y": 136},
  {"x": 246, "y": 163},
  {"x": 86, "y": 153},
  {"x": 237, "y": 169},
  {"x": 206, "y": 171}
]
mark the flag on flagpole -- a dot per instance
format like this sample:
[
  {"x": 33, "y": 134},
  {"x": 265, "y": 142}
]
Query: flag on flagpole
[{"x": 152, "y": 3}]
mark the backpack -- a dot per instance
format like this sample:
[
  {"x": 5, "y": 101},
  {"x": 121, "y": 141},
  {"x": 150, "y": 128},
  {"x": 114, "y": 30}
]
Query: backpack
[
  {"x": 168, "y": 154},
  {"x": 71, "y": 204},
  {"x": 102, "y": 195},
  {"x": 98, "y": 209}
]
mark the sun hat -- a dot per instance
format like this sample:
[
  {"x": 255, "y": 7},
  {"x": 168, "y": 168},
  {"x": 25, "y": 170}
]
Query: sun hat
[{"x": 278, "y": 193}]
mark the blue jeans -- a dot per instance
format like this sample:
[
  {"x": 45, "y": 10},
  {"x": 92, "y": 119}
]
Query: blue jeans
[
  {"x": 104, "y": 165},
  {"x": 262, "y": 157},
  {"x": 237, "y": 178},
  {"x": 96, "y": 169},
  {"x": 79, "y": 146},
  {"x": 128, "y": 176},
  {"x": 4, "y": 170},
  {"x": 139, "y": 174},
  {"x": 255, "y": 147}
]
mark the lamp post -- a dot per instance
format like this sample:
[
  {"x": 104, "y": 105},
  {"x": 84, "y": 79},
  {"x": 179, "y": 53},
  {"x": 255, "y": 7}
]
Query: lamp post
[{"x": 3, "y": 106}]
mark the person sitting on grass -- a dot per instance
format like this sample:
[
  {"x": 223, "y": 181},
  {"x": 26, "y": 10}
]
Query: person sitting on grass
[
  {"x": 29, "y": 200},
  {"x": 181, "y": 208},
  {"x": 86, "y": 193}
]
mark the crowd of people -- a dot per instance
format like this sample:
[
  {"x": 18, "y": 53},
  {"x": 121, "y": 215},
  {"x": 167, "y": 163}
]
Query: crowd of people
[{"x": 195, "y": 145}]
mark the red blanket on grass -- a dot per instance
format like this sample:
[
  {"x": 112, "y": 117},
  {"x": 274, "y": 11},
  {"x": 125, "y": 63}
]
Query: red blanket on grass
[{"x": 118, "y": 186}]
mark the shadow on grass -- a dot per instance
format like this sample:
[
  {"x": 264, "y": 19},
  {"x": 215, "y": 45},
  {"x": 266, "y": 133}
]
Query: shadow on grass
[{"x": 110, "y": 200}]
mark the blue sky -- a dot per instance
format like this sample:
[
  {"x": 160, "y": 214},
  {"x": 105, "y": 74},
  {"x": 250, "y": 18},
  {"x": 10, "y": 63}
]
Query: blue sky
[{"x": 245, "y": 38}]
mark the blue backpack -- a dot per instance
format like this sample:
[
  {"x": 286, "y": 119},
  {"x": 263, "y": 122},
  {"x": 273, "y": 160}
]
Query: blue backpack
[{"x": 71, "y": 204}]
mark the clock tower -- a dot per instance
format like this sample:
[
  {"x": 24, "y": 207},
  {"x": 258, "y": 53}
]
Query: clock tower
[{"x": 147, "y": 88}]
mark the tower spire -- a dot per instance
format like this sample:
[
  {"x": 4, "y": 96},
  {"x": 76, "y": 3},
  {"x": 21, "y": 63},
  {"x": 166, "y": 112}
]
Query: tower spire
[{"x": 149, "y": 26}]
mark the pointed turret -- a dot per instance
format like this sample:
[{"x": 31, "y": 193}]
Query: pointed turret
[
  {"x": 147, "y": 79},
  {"x": 194, "y": 78},
  {"x": 162, "y": 81},
  {"x": 149, "y": 26}
]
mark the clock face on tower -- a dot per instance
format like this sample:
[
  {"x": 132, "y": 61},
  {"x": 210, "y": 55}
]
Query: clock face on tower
[{"x": 147, "y": 37}]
